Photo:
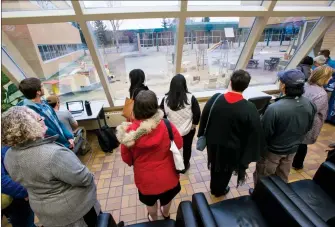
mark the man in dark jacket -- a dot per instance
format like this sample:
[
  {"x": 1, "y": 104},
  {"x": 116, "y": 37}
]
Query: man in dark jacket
[
  {"x": 234, "y": 134},
  {"x": 285, "y": 124},
  {"x": 19, "y": 211},
  {"x": 33, "y": 90}
]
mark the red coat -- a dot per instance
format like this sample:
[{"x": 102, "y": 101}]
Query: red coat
[{"x": 154, "y": 167}]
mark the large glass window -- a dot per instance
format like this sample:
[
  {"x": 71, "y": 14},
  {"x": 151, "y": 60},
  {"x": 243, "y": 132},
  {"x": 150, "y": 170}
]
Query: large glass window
[
  {"x": 307, "y": 3},
  {"x": 49, "y": 52},
  {"x": 147, "y": 44},
  {"x": 24, "y": 5},
  {"x": 133, "y": 6},
  {"x": 71, "y": 75},
  {"x": 224, "y": 3},
  {"x": 279, "y": 41},
  {"x": 211, "y": 49}
]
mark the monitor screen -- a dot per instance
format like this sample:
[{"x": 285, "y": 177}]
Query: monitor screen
[{"x": 75, "y": 106}]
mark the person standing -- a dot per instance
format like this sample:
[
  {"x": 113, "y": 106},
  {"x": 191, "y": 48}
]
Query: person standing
[
  {"x": 33, "y": 91},
  {"x": 319, "y": 61},
  {"x": 305, "y": 66},
  {"x": 234, "y": 134},
  {"x": 145, "y": 144},
  {"x": 315, "y": 92},
  {"x": 19, "y": 211},
  {"x": 183, "y": 110},
  {"x": 137, "y": 80},
  {"x": 61, "y": 189},
  {"x": 285, "y": 125},
  {"x": 330, "y": 62}
]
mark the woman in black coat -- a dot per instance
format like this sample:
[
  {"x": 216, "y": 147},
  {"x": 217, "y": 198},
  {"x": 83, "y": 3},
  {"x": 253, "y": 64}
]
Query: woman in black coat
[{"x": 137, "y": 79}]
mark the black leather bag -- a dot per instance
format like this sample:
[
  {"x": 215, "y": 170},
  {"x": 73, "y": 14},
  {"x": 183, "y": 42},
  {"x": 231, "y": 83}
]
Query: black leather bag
[{"x": 107, "y": 139}]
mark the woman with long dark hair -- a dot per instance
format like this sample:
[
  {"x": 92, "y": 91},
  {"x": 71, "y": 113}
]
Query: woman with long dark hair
[
  {"x": 137, "y": 79},
  {"x": 183, "y": 110}
]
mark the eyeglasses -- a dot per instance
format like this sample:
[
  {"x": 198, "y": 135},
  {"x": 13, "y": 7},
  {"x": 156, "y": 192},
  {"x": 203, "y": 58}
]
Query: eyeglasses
[{"x": 41, "y": 119}]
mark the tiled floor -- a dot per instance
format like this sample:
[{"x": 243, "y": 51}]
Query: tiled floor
[{"x": 118, "y": 194}]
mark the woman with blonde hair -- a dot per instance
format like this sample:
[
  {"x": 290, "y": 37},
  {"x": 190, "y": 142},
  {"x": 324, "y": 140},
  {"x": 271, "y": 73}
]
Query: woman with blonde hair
[
  {"x": 314, "y": 91},
  {"x": 61, "y": 189}
]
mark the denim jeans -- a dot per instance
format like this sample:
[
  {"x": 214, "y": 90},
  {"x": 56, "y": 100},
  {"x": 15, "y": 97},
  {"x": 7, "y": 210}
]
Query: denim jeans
[{"x": 20, "y": 214}]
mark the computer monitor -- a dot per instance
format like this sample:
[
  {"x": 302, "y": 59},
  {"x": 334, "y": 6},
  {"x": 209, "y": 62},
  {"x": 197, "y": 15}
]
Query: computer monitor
[{"x": 75, "y": 106}]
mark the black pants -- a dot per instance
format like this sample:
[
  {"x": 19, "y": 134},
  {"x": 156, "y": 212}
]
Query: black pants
[
  {"x": 219, "y": 181},
  {"x": 91, "y": 218},
  {"x": 298, "y": 161},
  {"x": 187, "y": 147},
  {"x": 19, "y": 213}
]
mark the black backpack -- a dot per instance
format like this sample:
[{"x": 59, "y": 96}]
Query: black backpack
[{"x": 107, "y": 139}]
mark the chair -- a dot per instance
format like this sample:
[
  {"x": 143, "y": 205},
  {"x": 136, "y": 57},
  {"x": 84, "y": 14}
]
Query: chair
[
  {"x": 271, "y": 64},
  {"x": 316, "y": 197},
  {"x": 267, "y": 207},
  {"x": 261, "y": 103}
]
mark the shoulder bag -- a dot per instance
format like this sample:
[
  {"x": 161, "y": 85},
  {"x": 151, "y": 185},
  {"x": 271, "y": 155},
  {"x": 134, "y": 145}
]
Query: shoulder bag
[
  {"x": 177, "y": 157},
  {"x": 202, "y": 141},
  {"x": 127, "y": 111}
]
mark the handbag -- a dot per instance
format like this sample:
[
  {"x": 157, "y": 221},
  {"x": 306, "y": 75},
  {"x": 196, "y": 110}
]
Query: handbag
[
  {"x": 127, "y": 111},
  {"x": 202, "y": 141},
  {"x": 177, "y": 157}
]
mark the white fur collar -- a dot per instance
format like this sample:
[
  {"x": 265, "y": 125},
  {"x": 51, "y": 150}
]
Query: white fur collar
[{"x": 128, "y": 138}]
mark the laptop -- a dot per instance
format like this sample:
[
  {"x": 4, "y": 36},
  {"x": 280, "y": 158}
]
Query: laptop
[{"x": 75, "y": 107}]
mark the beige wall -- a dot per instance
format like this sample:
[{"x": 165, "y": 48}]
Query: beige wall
[
  {"x": 57, "y": 33},
  {"x": 329, "y": 40}
]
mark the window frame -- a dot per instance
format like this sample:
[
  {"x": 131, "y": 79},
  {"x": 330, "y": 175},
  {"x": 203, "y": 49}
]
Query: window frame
[{"x": 83, "y": 15}]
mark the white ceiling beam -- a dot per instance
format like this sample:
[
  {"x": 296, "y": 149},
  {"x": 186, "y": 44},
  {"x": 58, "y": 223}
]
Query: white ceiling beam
[
  {"x": 314, "y": 37},
  {"x": 94, "y": 51},
  {"x": 180, "y": 37},
  {"x": 58, "y": 16}
]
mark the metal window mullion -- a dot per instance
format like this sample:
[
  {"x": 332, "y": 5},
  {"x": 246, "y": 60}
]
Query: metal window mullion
[
  {"x": 92, "y": 47},
  {"x": 254, "y": 36},
  {"x": 180, "y": 36}
]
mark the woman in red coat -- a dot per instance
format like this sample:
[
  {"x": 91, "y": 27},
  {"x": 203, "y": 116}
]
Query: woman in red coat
[{"x": 145, "y": 144}]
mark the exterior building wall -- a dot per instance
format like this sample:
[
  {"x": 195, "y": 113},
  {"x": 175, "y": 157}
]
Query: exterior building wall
[
  {"x": 328, "y": 40},
  {"x": 53, "y": 66},
  {"x": 57, "y": 33},
  {"x": 23, "y": 40}
]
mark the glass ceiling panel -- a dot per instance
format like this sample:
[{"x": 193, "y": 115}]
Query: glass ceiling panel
[
  {"x": 11, "y": 6},
  {"x": 303, "y": 3}
]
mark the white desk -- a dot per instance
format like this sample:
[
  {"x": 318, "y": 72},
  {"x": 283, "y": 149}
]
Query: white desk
[
  {"x": 97, "y": 113},
  {"x": 254, "y": 93}
]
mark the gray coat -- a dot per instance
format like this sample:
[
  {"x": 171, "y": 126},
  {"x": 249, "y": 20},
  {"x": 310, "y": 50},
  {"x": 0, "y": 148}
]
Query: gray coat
[
  {"x": 319, "y": 97},
  {"x": 61, "y": 189}
]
